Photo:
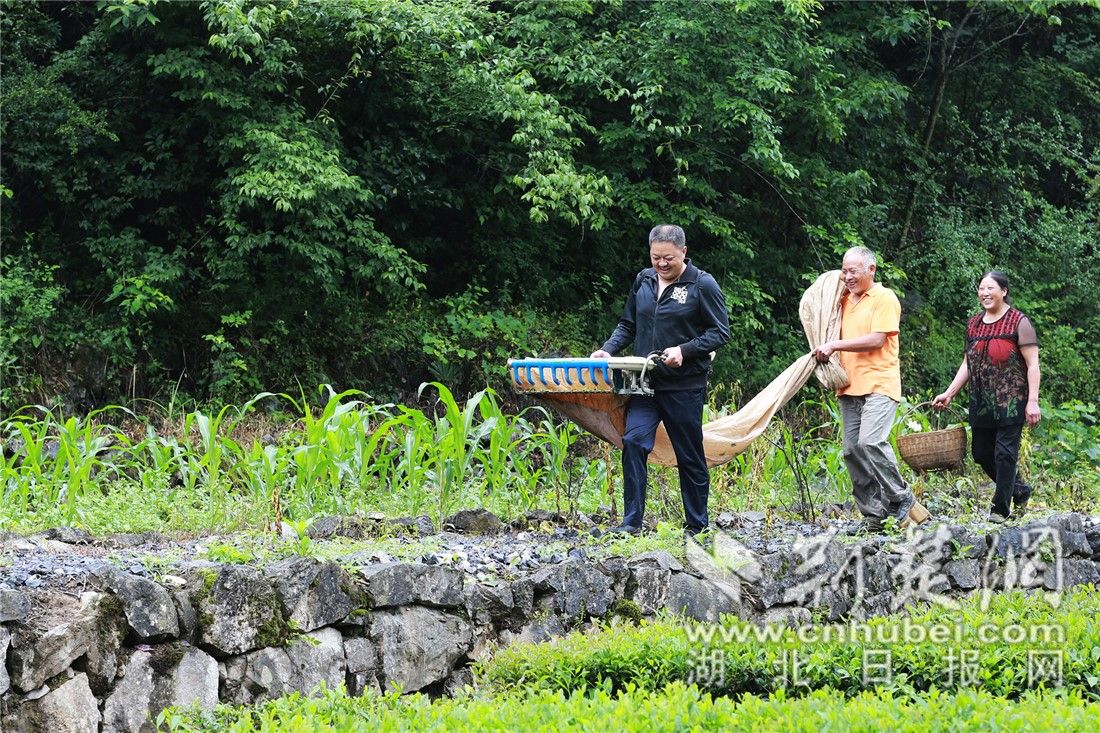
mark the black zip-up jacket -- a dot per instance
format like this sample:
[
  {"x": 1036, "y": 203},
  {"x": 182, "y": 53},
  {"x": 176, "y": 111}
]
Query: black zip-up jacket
[{"x": 691, "y": 314}]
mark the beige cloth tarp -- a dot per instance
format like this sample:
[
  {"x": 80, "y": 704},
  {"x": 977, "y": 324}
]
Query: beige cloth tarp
[{"x": 604, "y": 415}]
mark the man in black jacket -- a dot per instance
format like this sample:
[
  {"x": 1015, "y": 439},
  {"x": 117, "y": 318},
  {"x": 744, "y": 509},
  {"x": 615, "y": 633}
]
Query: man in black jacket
[{"x": 678, "y": 311}]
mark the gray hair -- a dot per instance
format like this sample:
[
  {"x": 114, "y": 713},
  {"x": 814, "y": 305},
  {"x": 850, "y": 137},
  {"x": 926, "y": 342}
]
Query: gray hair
[
  {"x": 866, "y": 256},
  {"x": 668, "y": 233}
]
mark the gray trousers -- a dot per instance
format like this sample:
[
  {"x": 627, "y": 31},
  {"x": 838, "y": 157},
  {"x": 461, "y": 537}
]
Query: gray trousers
[{"x": 877, "y": 486}]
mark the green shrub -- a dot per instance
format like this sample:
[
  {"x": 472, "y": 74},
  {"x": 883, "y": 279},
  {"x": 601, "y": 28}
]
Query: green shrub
[
  {"x": 677, "y": 707},
  {"x": 29, "y": 297},
  {"x": 1065, "y": 452},
  {"x": 655, "y": 654}
]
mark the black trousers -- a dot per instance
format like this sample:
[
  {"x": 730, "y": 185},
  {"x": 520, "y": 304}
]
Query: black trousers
[
  {"x": 682, "y": 414},
  {"x": 997, "y": 451}
]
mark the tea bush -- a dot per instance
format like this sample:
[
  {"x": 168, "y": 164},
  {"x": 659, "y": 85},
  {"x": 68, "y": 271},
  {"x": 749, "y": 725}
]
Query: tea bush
[
  {"x": 676, "y": 707},
  {"x": 747, "y": 660}
]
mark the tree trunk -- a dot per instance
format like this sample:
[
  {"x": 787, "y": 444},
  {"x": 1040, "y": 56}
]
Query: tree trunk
[{"x": 947, "y": 53}]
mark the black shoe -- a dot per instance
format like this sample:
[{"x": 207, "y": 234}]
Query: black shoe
[
  {"x": 869, "y": 525},
  {"x": 626, "y": 529},
  {"x": 1019, "y": 503},
  {"x": 699, "y": 536}
]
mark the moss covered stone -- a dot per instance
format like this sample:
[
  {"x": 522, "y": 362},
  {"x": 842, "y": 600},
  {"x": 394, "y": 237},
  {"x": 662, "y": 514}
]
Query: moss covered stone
[{"x": 626, "y": 608}]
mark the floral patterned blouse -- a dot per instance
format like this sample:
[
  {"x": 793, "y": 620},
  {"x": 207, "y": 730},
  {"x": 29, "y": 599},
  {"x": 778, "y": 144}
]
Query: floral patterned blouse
[{"x": 998, "y": 373}]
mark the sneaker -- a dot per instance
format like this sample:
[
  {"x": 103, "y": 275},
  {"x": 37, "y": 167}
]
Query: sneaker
[
  {"x": 997, "y": 518},
  {"x": 625, "y": 529}
]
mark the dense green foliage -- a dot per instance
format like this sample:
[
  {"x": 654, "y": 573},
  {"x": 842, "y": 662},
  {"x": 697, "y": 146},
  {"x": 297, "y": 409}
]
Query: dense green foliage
[
  {"x": 237, "y": 194},
  {"x": 655, "y": 654},
  {"x": 662, "y": 676},
  {"x": 675, "y": 708}
]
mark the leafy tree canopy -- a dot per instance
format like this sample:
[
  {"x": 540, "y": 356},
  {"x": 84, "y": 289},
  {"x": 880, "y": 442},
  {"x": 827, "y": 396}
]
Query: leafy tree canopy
[{"x": 241, "y": 194}]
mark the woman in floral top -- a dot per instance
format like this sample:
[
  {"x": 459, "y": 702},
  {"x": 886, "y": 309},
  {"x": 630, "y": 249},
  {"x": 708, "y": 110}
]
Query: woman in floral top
[{"x": 1002, "y": 367}]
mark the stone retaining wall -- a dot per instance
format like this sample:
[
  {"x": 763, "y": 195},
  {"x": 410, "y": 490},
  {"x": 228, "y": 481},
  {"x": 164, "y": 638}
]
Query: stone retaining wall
[{"x": 113, "y": 655}]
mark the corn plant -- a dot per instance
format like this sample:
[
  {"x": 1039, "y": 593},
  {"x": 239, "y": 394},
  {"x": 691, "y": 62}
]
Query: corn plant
[
  {"x": 324, "y": 456},
  {"x": 202, "y": 461},
  {"x": 759, "y": 475},
  {"x": 529, "y": 472},
  {"x": 399, "y": 457},
  {"x": 264, "y": 470},
  {"x": 380, "y": 452},
  {"x": 414, "y": 478},
  {"x": 24, "y": 472},
  {"x": 456, "y": 437},
  {"x": 63, "y": 478},
  {"x": 511, "y": 442},
  {"x": 559, "y": 436}
]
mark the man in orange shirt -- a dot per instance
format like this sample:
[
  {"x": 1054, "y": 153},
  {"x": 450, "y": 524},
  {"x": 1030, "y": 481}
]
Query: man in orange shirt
[{"x": 868, "y": 351}]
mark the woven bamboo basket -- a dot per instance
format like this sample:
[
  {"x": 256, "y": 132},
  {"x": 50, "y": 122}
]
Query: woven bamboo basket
[{"x": 935, "y": 450}]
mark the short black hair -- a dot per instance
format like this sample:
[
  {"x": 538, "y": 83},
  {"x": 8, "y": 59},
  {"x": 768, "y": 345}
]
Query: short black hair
[{"x": 1001, "y": 279}]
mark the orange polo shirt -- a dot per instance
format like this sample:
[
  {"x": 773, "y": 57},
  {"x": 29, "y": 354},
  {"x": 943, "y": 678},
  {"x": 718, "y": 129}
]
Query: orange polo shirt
[{"x": 872, "y": 371}]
